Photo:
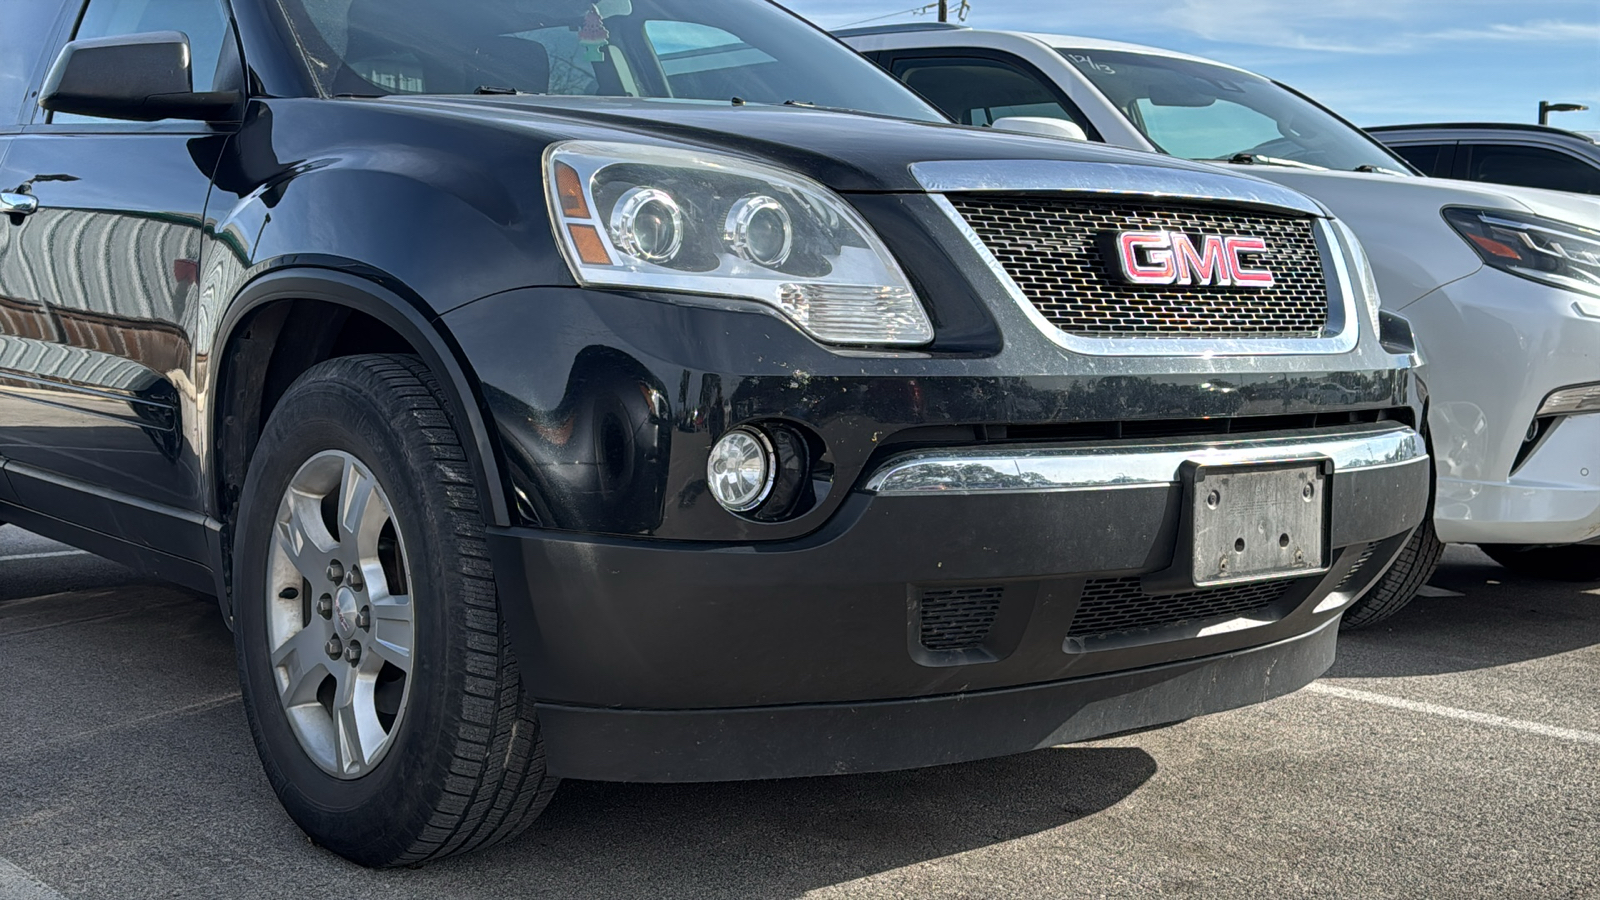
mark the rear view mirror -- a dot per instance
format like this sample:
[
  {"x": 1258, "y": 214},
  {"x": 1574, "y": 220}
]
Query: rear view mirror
[
  {"x": 140, "y": 77},
  {"x": 1165, "y": 94},
  {"x": 1042, "y": 126}
]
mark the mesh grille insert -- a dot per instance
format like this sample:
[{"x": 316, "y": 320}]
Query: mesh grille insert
[
  {"x": 1051, "y": 249},
  {"x": 1115, "y": 605},
  {"x": 958, "y": 618}
]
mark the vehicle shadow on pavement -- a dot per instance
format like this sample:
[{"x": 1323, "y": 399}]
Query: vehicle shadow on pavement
[
  {"x": 782, "y": 838},
  {"x": 1501, "y": 618},
  {"x": 126, "y": 744}
]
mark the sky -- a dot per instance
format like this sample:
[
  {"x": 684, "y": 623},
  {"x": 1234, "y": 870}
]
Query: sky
[{"x": 1376, "y": 62}]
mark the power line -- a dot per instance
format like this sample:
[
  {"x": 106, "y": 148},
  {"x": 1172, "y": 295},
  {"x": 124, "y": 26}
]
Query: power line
[{"x": 962, "y": 11}]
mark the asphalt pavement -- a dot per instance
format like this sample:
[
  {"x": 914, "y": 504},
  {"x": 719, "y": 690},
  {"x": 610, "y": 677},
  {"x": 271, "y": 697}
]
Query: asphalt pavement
[{"x": 1452, "y": 752}]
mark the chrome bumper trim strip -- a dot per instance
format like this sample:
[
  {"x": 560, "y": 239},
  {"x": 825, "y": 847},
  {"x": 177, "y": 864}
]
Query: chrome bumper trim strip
[{"x": 991, "y": 470}]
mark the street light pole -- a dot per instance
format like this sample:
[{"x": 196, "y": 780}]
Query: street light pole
[{"x": 1546, "y": 108}]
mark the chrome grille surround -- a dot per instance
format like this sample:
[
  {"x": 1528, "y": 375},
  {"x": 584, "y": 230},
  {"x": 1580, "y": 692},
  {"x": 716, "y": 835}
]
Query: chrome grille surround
[
  {"x": 1112, "y": 184},
  {"x": 1052, "y": 249}
]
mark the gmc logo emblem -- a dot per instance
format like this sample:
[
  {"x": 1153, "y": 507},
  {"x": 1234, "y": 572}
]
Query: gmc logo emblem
[{"x": 1171, "y": 257}]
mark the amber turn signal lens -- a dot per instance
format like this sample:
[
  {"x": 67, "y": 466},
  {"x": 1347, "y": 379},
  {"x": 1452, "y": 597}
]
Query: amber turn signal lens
[
  {"x": 569, "y": 187},
  {"x": 591, "y": 249}
]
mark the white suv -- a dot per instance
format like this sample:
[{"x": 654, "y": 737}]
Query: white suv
[{"x": 1501, "y": 283}]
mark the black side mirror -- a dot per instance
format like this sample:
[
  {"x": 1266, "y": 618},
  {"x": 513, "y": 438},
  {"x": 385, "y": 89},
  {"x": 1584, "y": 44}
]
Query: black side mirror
[{"x": 141, "y": 77}]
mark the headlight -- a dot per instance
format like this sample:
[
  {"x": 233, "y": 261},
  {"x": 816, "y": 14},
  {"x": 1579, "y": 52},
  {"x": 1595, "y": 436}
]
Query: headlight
[
  {"x": 636, "y": 216},
  {"x": 1365, "y": 280},
  {"x": 1547, "y": 250}
]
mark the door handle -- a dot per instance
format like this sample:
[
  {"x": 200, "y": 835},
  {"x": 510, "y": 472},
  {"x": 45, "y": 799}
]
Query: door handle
[{"x": 18, "y": 204}]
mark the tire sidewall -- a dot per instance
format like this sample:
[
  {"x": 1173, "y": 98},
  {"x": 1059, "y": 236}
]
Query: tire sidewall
[{"x": 334, "y": 414}]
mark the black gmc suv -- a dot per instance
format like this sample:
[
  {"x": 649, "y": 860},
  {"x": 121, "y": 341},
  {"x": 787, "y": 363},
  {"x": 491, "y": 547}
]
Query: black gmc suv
[{"x": 654, "y": 390}]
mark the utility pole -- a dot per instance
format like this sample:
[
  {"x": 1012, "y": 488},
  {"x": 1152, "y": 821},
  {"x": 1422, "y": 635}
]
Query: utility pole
[{"x": 944, "y": 10}]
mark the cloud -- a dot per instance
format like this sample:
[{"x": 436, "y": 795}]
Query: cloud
[{"x": 1544, "y": 30}]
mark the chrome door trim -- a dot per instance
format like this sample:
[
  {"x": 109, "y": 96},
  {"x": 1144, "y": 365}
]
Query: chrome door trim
[
  {"x": 1107, "y": 178},
  {"x": 1133, "y": 464},
  {"x": 1341, "y": 312}
]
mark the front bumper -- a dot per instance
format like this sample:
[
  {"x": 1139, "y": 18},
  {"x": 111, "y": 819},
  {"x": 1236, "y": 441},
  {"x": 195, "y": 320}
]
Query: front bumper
[
  {"x": 658, "y": 660},
  {"x": 1496, "y": 346}
]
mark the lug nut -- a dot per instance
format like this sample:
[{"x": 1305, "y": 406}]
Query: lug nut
[
  {"x": 355, "y": 581},
  {"x": 364, "y": 618},
  {"x": 334, "y": 648},
  {"x": 352, "y": 653},
  {"x": 335, "y": 572},
  {"x": 325, "y": 606}
]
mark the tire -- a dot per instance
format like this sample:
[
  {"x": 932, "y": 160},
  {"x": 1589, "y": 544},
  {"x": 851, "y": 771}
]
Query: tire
[
  {"x": 448, "y": 761},
  {"x": 1398, "y": 586},
  {"x": 1574, "y": 562}
]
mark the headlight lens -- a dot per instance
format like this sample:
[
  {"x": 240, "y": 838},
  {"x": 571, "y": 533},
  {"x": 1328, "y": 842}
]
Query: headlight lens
[
  {"x": 636, "y": 216},
  {"x": 1365, "y": 280},
  {"x": 1547, "y": 250}
]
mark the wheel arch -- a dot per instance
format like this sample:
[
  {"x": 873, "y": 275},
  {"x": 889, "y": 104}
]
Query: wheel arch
[{"x": 247, "y": 347}]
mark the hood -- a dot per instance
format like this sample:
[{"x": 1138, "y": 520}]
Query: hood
[
  {"x": 849, "y": 152},
  {"x": 1580, "y": 209},
  {"x": 1398, "y": 219}
]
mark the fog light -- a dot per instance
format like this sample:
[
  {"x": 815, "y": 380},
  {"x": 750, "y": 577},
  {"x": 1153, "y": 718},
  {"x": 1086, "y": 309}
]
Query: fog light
[{"x": 741, "y": 470}]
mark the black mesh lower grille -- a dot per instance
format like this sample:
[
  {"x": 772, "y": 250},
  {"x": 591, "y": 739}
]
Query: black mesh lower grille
[
  {"x": 958, "y": 618},
  {"x": 1116, "y": 605},
  {"x": 1054, "y": 250}
]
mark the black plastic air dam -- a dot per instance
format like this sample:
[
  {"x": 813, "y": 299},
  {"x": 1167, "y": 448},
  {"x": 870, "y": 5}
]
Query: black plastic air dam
[{"x": 844, "y": 738}]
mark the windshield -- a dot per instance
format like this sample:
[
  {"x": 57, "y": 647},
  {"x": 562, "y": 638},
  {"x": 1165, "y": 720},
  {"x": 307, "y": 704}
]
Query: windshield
[
  {"x": 694, "y": 49},
  {"x": 1206, "y": 112}
]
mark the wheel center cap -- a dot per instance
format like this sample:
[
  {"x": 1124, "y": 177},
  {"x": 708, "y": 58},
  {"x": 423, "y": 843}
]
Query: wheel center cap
[{"x": 345, "y": 611}]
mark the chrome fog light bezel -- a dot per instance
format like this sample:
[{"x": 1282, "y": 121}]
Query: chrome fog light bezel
[{"x": 749, "y": 444}]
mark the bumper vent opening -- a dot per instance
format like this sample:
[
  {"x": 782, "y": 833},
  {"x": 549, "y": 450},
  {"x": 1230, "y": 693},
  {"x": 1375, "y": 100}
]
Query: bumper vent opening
[
  {"x": 1052, "y": 249},
  {"x": 958, "y": 618},
  {"x": 1120, "y": 605},
  {"x": 1359, "y": 568}
]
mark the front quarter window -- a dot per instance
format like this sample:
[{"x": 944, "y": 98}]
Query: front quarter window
[{"x": 1202, "y": 111}]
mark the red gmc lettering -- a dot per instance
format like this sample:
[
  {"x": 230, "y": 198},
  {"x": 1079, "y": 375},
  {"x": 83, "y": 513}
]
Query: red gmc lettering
[
  {"x": 1160, "y": 269},
  {"x": 1208, "y": 267},
  {"x": 1171, "y": 257},
  {"x": 1243, "y": 275}
]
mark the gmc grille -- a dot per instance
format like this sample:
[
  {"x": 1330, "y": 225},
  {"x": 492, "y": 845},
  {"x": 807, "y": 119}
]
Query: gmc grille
[{"x": 1052, "y": 249}]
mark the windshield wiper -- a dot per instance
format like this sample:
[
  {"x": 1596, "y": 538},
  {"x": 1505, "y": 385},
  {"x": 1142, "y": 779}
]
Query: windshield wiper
[
  {"x": 493, "y": 91},
  {"x": 1256, "y": 159},
  {"x": 1368, "y": 167}
]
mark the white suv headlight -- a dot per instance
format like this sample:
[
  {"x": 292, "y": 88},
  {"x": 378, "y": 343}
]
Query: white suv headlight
[
  {"x": 655, "y": 218},
  {"x": 1557, "y": 253}
]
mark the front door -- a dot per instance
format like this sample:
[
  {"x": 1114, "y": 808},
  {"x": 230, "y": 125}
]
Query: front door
[{"x": 100, "y": 287}]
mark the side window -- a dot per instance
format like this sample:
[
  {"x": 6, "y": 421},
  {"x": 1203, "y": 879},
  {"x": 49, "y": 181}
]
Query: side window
[
  {"x": 977, "y": 91},
  {"x": 26, "y": 29},
  {"x": 1531, "y": 167},
  {"x": 204, "y": 21},
  {"x": 702, "y": 62},
  {"x": 1430, "y": 159}
]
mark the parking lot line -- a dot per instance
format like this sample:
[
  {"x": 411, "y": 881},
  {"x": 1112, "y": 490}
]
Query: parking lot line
[
  {"x": 1466, "y": 715},
  {"x": 23, "y": 557},
  {"x": 16, "y": 884}
]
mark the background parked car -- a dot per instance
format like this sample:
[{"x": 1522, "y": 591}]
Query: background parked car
[
  {"x": 1528, "y": 155},
  {"x": 1501, "y": 282}
]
